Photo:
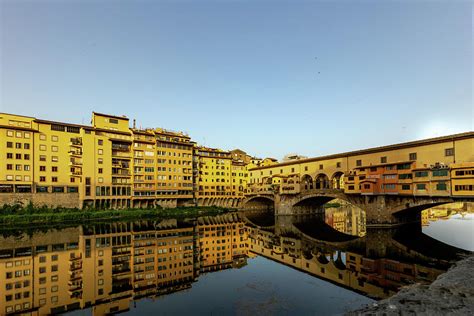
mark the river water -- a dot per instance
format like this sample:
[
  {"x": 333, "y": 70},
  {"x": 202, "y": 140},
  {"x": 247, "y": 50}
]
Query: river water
[{"x": 240, "y": 263}]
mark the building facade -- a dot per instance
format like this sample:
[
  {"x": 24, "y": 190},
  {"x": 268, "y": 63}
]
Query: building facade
[{"x": 111, "y": 165}]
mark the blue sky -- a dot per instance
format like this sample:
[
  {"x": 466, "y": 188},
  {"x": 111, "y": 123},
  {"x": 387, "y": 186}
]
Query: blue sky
[{"x": 269, "y": 77}]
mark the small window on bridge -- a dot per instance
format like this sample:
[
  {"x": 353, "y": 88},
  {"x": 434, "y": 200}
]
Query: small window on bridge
[
  {"x": 383, "y": 159},
  {"x": 449, "y": 152},
  {"x": 338, "y": 165},
  {"x": 421, "y": 186},
  {"x": 412, "y": 156},
  {"x": 358, "y": 163}
]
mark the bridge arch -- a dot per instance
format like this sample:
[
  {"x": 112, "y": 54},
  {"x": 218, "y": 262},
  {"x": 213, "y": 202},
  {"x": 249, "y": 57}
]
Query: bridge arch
[
  {"x": 322, "y": 181},
  {"x": 307, "y": 182},
  {"x": 259, "y": 202},
  {"x": 338, "y": 180}
]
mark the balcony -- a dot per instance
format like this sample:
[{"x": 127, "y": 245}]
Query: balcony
[
  {"x": 73, "y": 267},
  {"x": 120, "y": 147},
  {"x": 75, "y": 162},
  {"x": 75, "y": 152},
  {"x": 76, "y": 142},
  {"x": 121, "y": 154},
  {"x": 121, "y": 173}
]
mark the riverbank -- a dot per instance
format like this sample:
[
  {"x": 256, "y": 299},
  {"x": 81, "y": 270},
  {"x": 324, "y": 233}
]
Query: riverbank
[
  {"x": 31, "y": 216},
  {"x": 452, "y": 293}
]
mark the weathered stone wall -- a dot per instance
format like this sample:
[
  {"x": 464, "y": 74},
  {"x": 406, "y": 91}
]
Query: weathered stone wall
[
  {"x": 451, "y": 294},
  {"x": 70, "y": 200}
]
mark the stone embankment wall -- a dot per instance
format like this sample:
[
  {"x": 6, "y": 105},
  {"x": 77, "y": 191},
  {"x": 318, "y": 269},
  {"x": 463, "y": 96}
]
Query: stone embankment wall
[
  {"x": 452, "y": 293},
  {"x": 69, "y": 200}
]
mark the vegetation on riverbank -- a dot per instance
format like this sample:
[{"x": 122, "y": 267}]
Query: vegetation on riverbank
[{"x": 30, "y": 215}]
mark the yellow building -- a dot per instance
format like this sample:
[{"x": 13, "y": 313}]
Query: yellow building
[
  {"x": 213, "y": 179},
  {"x": 103, "y": 267},
  {"x": 221, "y": 241},
  {"x": 107, "y": 164},
  {"x": 348, "y": 171},
  {"x": 110, "y": 165}
]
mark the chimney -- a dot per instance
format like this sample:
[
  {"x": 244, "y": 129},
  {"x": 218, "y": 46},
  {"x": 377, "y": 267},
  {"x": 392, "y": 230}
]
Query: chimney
[{"x": 134, "y": 123}]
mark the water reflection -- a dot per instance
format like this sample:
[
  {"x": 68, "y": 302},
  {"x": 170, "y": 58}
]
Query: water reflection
[{"x": 105, "y": 268}]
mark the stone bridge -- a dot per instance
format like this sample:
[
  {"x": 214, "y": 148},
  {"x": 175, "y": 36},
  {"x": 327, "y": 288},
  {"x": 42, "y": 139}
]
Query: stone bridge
[{"x": 381, "y": 210}]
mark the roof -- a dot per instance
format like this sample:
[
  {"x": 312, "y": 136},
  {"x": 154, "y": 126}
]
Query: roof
[
  {"x": 109, "y": 115},
  {"x": 415, "y": 143}
]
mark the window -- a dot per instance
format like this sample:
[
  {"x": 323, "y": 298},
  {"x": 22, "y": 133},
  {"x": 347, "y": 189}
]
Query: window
[
  {"x": 17, "y": 156},
  {"x": 405, "y": 187},
  {"x": 42, "y": 137},
  {"x": 101, "y": 151},
  {"x": 26, "y": 146},
  {"x": 420, "y": 174},
  {"x": 26, "y": 156},
  {"x": 42, "y": 179},
  {"x": 54, "y": 138},
  {"x": 421, "y": 186},
  {"x": 54, "y": 179},
  {"x": 54, "y": 158},
  {"x": 9, "y": 144},
  {"x": 9, "y": 155},
  {"x": 358, "y": 163},
  {"x": 42, "y": 158},
  {"x": 27, "y": 135},
  {"x": 100, "y": 142},
  {"x": 412, "y": 156},
  {"x": 42, "y": 147},
  {"x": 54, "y": 149},
  {"x": 338, "y": 165},
  {"x": 440, "y": 173},
  {"x": 9, "y": 166},
  {"x": 383, "y": 159},
  {"x": 100, "y": 161},
  {"x": 10, "y": 133},
  {"x": 18, "y": 145},
  {"x": 54, "y": 169},
  {"x": 42, "y": 168},
  {"x": 441, "y": 186},
  {"x": 26, "y": 167},
  {"x": 449, "y": 152},
  {"x": 100, "y": 170},
  {"x": 113, "y": 121}
]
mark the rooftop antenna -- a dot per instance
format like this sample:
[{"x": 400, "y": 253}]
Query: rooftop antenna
[{"x": 134, "y": 123}]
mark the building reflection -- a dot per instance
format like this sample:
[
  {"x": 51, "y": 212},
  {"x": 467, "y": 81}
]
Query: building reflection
[
  {"x": 444, "y": 212},
  {"x": 105, "y": 267}
]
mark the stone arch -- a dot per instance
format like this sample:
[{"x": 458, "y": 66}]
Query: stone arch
[
  {"x": 258, "y": 202},
  {"x": 322, "y": 181},
  {"x": 337, "y": 180},
  {"x": 307, "y": 182}
]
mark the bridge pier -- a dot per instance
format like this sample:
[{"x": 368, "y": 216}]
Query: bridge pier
[{"x": 380, "y": 210}]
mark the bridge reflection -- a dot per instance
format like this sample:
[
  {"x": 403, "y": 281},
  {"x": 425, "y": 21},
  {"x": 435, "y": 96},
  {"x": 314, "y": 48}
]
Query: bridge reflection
[{"x": 105, "y": 267}]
